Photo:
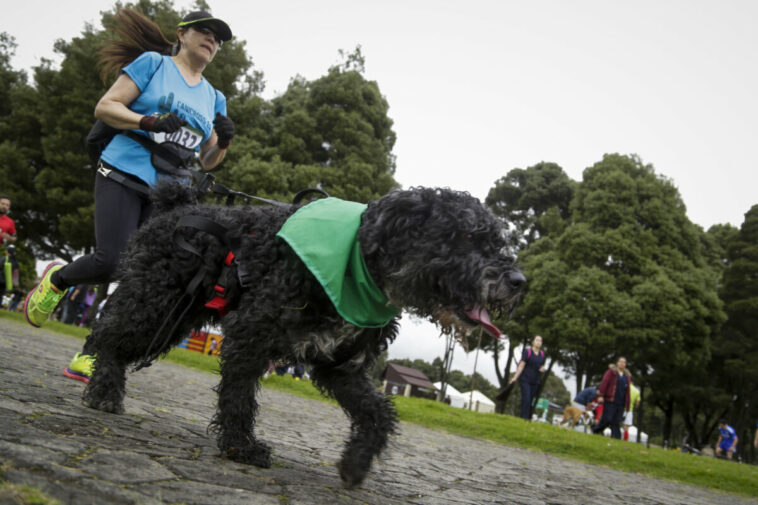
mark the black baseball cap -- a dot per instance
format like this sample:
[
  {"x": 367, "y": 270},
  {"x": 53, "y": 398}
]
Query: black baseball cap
[{"x": 206, "y": 18}]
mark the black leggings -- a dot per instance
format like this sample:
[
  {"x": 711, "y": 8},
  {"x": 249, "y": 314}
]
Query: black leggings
[{"x": 119, "y": 211}]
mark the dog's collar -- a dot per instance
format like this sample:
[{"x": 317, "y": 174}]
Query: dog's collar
[{"x": 324, "y": 235}]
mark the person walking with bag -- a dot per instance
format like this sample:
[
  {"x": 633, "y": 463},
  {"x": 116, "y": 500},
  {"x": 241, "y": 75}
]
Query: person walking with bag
[
  {"x": 160, "y": 97},
  {"x": 614, "y": 395},
  {"x": 530, "y": 367}
]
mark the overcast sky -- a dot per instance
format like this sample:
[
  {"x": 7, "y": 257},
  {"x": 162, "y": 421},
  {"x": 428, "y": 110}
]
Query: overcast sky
[{"x": 478, "y": 88}]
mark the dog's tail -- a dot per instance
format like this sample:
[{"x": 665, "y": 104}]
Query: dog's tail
[{"x": 169, "y": 193}]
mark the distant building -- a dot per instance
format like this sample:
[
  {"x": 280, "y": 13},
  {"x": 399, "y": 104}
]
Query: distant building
[{"x": 404, "y": 381}]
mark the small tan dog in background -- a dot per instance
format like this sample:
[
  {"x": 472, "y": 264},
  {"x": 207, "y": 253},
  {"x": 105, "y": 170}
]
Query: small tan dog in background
[{"x": 573, "y": 415}]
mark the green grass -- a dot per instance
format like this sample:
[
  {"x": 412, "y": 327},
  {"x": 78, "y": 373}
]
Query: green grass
[
  {"x": 24, "y": 495},
  {"x": 509, "y": 430}
]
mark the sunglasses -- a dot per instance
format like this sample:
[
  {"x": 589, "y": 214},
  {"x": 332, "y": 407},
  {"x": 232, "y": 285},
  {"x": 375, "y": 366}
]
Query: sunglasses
[{"x": 207, "y": 31}]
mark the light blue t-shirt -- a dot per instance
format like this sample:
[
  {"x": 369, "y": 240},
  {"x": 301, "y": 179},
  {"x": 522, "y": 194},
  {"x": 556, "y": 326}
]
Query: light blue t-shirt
[{"x": 163, "y": 89}]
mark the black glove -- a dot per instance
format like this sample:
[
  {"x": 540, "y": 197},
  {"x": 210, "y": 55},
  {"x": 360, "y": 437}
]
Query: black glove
[
  {"x": 167, "y": 123},
  {"x": 224, "y": 129}
]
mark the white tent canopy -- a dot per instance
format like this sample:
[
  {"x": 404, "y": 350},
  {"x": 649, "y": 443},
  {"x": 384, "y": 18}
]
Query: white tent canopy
[
  {"x": 449, "y": 389},
  {"x": 478, "y": 396},
  {"x": 479, "y": 402},
  {"x": 456, "y": 397}
]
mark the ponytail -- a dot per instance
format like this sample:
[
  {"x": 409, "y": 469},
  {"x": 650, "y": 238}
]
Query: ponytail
[{"x": 136, "y": 35}]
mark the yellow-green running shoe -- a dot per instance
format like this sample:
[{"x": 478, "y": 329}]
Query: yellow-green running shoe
[
  {"x": 80, "y": 367},
  {"x": 42, "y": 300}
]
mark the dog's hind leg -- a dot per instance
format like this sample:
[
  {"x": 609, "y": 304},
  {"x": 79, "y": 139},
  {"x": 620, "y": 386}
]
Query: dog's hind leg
[
  {"x": 371, "y": 415},
  {"x": 234, "y": 421},
  {"x": 122, "y": 336}
]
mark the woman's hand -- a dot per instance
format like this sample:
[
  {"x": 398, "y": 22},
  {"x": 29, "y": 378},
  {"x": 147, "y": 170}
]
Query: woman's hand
[
  {"x": 166, "y": 123},
  {"x": 224, "y": 129}
]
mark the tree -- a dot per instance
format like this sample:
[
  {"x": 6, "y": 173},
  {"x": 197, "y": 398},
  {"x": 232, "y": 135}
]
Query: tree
[
  {"x": 658, "y": 258},
  {"x": 627, "y": 275},
  {"x": 705, "y": 397},
  {"x": 19, "y": 149},
  {"x": 534, "y": 203},
  {"x": 737, "y": 348},
  {"x": 333, "y": 131}
]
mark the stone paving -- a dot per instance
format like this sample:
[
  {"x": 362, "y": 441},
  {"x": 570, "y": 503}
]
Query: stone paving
[{"x": 159, "y": 452}]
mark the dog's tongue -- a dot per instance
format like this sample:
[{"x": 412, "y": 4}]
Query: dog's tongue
[{"x": 481, "y": 316}]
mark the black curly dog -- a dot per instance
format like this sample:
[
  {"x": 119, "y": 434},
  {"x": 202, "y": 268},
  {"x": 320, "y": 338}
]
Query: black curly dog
[{"x": 437, "y": 253}]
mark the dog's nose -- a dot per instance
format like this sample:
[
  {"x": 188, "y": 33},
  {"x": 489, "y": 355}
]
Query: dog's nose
[{"x": 516, "y": 280}]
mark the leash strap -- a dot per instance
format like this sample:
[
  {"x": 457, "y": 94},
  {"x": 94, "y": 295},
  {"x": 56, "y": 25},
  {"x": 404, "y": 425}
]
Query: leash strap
[{"x": 120, "y": 178}]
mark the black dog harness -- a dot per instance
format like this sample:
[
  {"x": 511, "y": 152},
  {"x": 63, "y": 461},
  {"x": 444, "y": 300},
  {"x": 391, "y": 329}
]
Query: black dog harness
[{"x": 233, "y": 277}]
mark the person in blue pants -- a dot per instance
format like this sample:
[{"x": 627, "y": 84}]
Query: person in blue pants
[{"x": 528, "y": 373}]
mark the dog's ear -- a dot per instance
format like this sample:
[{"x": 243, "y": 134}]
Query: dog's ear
[{"x": 394, "y": 220}]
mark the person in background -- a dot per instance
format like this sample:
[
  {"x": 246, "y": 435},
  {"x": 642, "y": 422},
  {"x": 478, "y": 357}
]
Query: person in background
[
  {"x": 15, "y": 300},
  {"x": 89, "y": 299},
  {"x": 634, "y": 402},
  {"x": 73, "y": 303},
  {"x": 530, "y": 367},
  {"x": 10, "y": 272},
  {"x": 298, "y": 371},
  {"x": 614, "y": 395},
  {"x": 727, "y": 441},
  {"x": 7, "y": 225},
  {"x": 160, "y": 96},
  {"x": 584, "y": 398}
]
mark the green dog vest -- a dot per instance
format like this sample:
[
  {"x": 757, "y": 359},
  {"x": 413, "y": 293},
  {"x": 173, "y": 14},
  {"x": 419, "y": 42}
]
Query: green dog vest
[{"x": 324, "y": 234}]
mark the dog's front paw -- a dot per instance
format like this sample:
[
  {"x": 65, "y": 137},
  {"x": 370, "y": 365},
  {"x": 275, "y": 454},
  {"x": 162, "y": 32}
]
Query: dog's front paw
[
  {"x": 255, "y": 453},
  {"x": 114, "y": 406}
]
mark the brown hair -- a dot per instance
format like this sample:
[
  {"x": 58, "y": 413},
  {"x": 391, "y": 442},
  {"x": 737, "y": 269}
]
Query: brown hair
[{"x": 137, "y": 34}]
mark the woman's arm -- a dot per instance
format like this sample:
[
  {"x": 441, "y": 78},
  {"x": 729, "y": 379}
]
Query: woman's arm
[
  {"x": 520, "y": 369},
  {"x": 213, "y": 151},
  {"x": 113, "y": 107},
  {"x": 210, "y": 154},
  {"x": 604, "y": 384}
]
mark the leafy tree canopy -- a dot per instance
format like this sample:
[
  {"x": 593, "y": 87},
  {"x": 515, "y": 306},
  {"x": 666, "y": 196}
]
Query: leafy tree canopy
[
  {"x": 534, "y": 201},
  {"x": 628, "y": 275}
]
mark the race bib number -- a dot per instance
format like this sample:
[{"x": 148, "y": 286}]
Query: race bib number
[{"x": 186, "y": 136}]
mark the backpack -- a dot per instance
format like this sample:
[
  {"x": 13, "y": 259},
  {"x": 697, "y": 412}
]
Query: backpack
[
  {"x": 98, "y": 138},
  {"x": 529, "y": 353}
]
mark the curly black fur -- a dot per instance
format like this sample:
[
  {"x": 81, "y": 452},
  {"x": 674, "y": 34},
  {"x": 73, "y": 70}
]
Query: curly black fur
[{"x": 434, "y": 252}]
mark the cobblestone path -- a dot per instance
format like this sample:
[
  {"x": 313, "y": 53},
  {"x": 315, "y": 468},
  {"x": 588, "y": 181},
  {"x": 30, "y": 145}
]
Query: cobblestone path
[{"x": 160, "y": 452}]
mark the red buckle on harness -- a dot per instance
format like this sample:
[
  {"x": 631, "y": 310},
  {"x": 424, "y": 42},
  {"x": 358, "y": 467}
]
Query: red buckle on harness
[{"x": 219, "y": 302}]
